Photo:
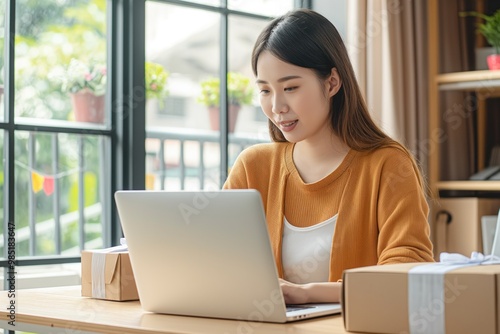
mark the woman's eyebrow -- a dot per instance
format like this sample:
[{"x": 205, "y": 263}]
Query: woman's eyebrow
[{"x": 283, "y": 79}]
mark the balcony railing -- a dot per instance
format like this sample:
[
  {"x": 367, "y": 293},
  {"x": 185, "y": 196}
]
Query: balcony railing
[
  {"x": 174, "y": 165},
  {"x": 176, "y": 159}
]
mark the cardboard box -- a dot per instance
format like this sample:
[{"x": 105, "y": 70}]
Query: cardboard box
[
  {"x": 462, "y": 233},
  {"x": 115, "y": 274},
  {"x": 375, "y": 300}
]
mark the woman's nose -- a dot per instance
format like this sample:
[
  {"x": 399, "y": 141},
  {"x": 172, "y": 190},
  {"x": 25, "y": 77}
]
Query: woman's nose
[{"x": 279, "y": 105}]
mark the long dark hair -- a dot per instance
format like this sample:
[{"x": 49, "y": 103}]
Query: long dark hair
[{"x": 307, "y": 39}]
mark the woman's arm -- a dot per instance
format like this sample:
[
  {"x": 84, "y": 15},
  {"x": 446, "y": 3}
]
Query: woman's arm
[
  {"x": 322, "y": 292},
  {"x": 402, "y": 214}
]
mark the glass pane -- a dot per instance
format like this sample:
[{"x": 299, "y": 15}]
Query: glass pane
[
  {"x": 59, "y": 187},
  {"x": 263, "y": 7},
  {"x": 2, "y": 192},
  {"x": 60, "y": 69},
  {"x": 183, "y": 152},
  {"x": 52, "y": 275},
  {"x": 250, "y": 123},
  {"x": 207, "y": 2},
  {"x": 2, "y": 48}
]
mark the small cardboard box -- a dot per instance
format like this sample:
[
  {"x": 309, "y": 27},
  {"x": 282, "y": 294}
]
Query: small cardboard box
[
  {"x": 115, "y": 274},
  {"x": 375, "y": 300}
]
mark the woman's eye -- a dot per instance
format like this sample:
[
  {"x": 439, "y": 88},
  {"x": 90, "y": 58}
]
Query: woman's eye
[
  {"x": 289, "y": 89},
  {"x": 264, "y": 91}
]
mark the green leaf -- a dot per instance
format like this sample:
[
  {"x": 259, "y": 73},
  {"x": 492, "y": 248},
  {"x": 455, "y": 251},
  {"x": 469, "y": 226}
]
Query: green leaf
[
  {"x": 239, "y": 90},
  {"x": 489, "y": 28}
]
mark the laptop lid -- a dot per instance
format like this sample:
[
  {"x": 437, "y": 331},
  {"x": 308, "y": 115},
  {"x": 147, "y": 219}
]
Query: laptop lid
[{"x": 205, "y": 253}]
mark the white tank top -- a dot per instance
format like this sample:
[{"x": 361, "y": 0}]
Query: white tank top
[{"x": 306, "y": 251}]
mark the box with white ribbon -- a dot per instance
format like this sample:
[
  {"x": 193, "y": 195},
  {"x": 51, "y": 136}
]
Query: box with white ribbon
[
  {"x": 107, "y": 274},
  {"x": 456, "y": 295}
]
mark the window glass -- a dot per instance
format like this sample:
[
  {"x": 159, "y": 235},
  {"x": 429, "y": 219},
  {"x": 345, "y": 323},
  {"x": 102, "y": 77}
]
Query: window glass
[
  {"x": 60, "y": 67},
  {"x": 59, "y": 187},
  {"x": 2, "y": 49},
  {"x": 262, "y": 7},
  {"x": 2, "y": 193},
  {"x": 42, "y": 276},
  {"x": 183, "y": 69},
  {"x": 207, "y": 2},
  {"x": 182, "y": 149},
  {"x": 244, "y": 109}
]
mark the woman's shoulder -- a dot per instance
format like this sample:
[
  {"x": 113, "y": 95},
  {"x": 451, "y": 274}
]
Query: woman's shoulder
[
  {"x": 393, "y": 157},
  {"x": 264, "y": 151},
  {"x": 388, "y": 153},
  {"x": 255, "y": 164},
  {"x": 393, "y": 164}
]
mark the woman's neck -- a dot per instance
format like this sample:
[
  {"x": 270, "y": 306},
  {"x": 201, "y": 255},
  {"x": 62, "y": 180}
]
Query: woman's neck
[{"x": 315, "y": 160}]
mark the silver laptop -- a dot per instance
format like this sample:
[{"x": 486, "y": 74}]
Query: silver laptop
[{"x": 206, "y": 254}]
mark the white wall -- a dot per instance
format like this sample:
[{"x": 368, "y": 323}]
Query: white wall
[{"x": 335, "y": 11}]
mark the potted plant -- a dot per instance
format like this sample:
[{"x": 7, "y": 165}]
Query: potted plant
[
  {"x": 156, "y": 78},
  {"x": 86, "y": 84},
  {"x": 156, "y": 81},
  {"x": 490, "y": 29},
  {"x": 239, "y": 90}
]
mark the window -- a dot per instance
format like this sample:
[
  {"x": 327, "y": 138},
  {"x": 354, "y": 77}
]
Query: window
[
  {"x": 197, "y": 45},
  {"x": 171, "y": 106},
  {"x": 56, "y": 130}
]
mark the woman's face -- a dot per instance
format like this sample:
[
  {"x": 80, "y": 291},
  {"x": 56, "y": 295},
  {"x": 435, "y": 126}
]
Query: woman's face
[{"x": 294, "y": 99}]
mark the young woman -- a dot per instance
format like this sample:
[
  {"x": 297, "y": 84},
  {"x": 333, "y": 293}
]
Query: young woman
[{"x": 338, "y": 192}]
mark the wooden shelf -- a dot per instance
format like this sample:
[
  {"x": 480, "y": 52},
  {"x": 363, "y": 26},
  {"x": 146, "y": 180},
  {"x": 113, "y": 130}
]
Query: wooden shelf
[
  {"x": 472, "y": 80},
  {"x": 469, "y": 185},
  {"x": 467, "y": 76},
  {"x": 474, "y": 89}
]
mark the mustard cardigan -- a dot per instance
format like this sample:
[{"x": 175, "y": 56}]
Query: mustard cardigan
[{"x": 382, "y": 210}]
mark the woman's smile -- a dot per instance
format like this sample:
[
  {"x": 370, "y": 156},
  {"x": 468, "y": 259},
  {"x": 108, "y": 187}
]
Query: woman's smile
[{"x": 287, "y": 125}]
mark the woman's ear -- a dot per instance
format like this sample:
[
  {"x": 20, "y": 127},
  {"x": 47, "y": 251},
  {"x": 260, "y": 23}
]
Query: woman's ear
[{"x": 333, "y": 83}]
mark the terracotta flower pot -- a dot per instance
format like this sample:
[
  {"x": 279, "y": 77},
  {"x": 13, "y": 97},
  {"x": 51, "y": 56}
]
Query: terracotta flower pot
[
  {"x": 88, "y": 107},
  {"x": 233, "y": 117},
  {"x": 493, "y": 61}
]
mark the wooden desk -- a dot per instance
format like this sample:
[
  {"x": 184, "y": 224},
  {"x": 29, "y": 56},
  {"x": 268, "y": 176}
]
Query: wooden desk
[{"x": 63, "y": 310}]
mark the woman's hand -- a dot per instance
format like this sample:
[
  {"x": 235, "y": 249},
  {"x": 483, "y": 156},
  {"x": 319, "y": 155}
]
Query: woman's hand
[
  {"x": 321, "y": 292},
  {"x": 294, "y": 293}
]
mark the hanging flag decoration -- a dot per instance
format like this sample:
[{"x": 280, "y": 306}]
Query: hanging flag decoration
[
  {"x": 40, "y": 180},
  {"x": 48, "y": 185},
  {"x": 150, "y": 181},
  {"x": 37, "y": 181}
]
